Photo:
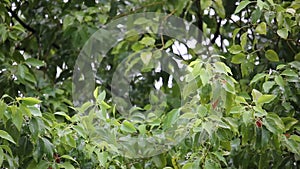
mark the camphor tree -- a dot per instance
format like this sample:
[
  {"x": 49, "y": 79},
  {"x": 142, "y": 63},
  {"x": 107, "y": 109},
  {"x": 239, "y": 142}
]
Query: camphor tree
[{"x": 244, "y": 109}]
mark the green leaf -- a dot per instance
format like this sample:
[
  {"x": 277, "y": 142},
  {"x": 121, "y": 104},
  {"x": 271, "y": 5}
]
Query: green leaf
[
  {"x": 283, "y": 33},
  {"x": 41, "y": 164},
  {"x": 127, "y": 127},
  {"x": 7, "y": 149},
  {"x": 289, "y": 122},
  {"x": 34, "y": 127},
  {"x": 96, "y": 92},
  {"x": 188, "y": 166},
  {"x": 69, "y": 158},
  {"x": 238, "y": 58},
  {"x": 17, "y": 118},
  {"x": 1, "y": 156},
  {"x": 268, "y": 85},
  {"x": 6, "y": 136},
  {"x": 35, "y": 111},
  {"x": 211, "y": 164},
  {"x": 221, "y": 67},
  {"x": 141, "y": 21},
  {"x": 70, "y": 140},
  {"x": 146, "y": 57},
  {"x": 159, "y": 161},
  {"x": 205, "y": 4},
  {"x": 34, "y": 62},
  {"x": 295, "y": 64},
  {"x": 47, "y": 147},
  {"x": 247, "y": 117},
  {"x": 220, "y": 157},
  {"x": 204, "y": 76},
  {"x": 271, "y": 55},
  {"x": 66, "y": 165},
  {"x": 102, "y": 157},
  {"x": 29, "y": 100},
  {"x": 289, "y": 72},
  {"x": 244, "y": 40},
  {"x": 256, "y": 14},
  {"x": 171, "y": 118},
  {"x": 279, "y": 80},
  {"x": 235, "y": 32},
  {"x": 241, "y": 6},
  {"x": 292, "y": 145},
  {"x": 235, "y": 49},
  {"x": 68, "y": 21},
  {"x": 255, "y": 95},
  {"x": 101, "y": 97},
  {"x": 295, "y": 137},
  {"x": 274, "y": 123},
  {"x": 297, "y": 56},
  {"x": 260, "y": 4},
  {"x": 63, "y": 114},
  {"x": 168, "y": 43},
  {"x": 219, "y": 8},
  {"x": 142, "y": 129},
  {"x": 3, "y": 107},
  {"x": 259, "y": 111},
  {"x": 229, "y": 88},
  {"x": 148, "y": 41},
  {"x": 266, "y": 99},
  {"x": 281, "y": 66},
  {"x": 261, "y": 28},
  {"x": 257, "y": 77}
]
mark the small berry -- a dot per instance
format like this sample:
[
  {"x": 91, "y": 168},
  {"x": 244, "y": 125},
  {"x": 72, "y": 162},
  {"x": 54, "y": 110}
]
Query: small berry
[
  {"x": 259, "y": 123},
  {"x": 287, "y": 135},
  {"x": 56, "y": 157}
]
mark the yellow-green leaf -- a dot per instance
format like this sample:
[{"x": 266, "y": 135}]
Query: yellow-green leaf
[
  {"x": 271, "y": 55},
  {"x": 283, "y": 33},
  {"x": 261, "y": 28},
  {"x": 266, "y": 98},
  {"x": 29, "y": 100}
]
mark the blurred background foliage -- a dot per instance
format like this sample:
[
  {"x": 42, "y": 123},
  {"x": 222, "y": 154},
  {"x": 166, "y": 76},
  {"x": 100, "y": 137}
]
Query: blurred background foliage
[{"x": 246, "y": 114}]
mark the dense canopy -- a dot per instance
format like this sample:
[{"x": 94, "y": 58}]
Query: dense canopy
[{"x": 218, "y": 78}]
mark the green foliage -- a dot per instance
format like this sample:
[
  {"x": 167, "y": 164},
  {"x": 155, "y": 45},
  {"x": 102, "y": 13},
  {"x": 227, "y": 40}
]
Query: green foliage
[{"x": 245, "y": 110}]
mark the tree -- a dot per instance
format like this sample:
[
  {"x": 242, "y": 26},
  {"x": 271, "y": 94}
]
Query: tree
[{"x": 240, "y": 105}]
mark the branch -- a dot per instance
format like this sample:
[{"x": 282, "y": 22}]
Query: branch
[
  {"x": 14, "y": 15},
  {"x": 217, "y": 33},
  {"x": 199, "y": 16},
  {"x": 26, "y": 26}
]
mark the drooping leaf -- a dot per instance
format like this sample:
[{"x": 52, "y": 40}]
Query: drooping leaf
[
  {"x": 6, "y": 136},
  {"x": 63, "y": 114},
  {"x": 241, "y": 6},
  {"x": 257, "y": 78},
  {"x": 34, "y": 62},
  {"x": 29, "y": 100},
  {"x": 171, "y": 118},
  {"x": 128, "y": 127},
  {"x": 274, "y": 123}
]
